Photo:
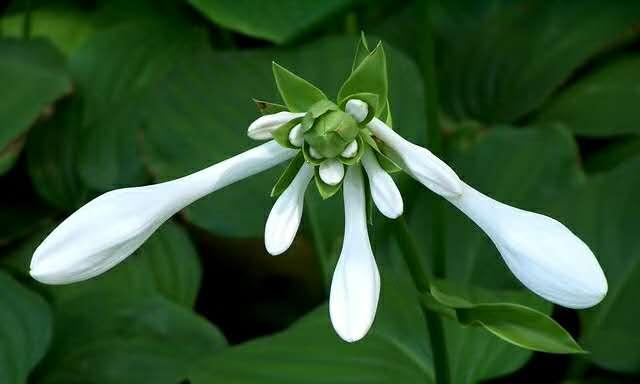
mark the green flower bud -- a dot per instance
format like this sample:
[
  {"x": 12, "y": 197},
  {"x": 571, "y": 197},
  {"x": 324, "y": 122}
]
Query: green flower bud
[{"x": 332, "y": 132}]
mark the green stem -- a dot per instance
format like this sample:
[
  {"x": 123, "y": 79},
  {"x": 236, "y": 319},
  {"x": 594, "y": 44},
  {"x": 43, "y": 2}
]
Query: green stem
[
  {"x": 322, "y": 254},
  {"x": 422, "y": 281},
  {"x": 26, "y": 22}
]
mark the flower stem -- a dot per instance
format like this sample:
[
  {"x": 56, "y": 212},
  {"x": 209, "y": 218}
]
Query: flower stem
[
  {"x": 320, "y": 249},
  {"x": 26, "y": 22},
  {"x": 422, "y": 281}
]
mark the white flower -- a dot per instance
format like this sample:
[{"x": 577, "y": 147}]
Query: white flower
[
  {"x": 356, "y": 282},
  {"x": 112, "y": 226},
  {"x": 263, "y": 127}
]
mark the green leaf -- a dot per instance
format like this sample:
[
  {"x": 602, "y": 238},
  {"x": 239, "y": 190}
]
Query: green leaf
[
  {"x": 297, "y": 93},
  {"x": 185, "y": 118},
  {"x": 33, "y": 76},
  {"x": 395, "y": 350},
  {"x": 603, "y": 103},
  {"x": 25, "y": 330},
  {"x": 514, "y": 323},
  {"x": 603, "y": 210},
  {"x": 500, "y": 60},
  {"x": 116, "y": 70},
  {"x": 52, "y": 158},
  {"x": 288, "y": 175},
  {"x": 115, "y": 340},
  {"x": 325, "y": 190},
  {"x": 369, "y": 77},
  {"x": 167, "y": 265},
  {"x": 279, "y": 21}
]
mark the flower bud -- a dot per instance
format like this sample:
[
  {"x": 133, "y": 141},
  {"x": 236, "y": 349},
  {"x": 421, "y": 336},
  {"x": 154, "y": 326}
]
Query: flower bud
[{"x": 332, "y": 132}]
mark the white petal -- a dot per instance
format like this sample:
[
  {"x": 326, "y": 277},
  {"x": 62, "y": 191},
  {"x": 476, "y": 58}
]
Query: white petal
[
  {"x": 263, "y": 126},
  {"x": 419, "y": 162},
  {"x": 296, "y": 136},
  {"x": 112, "y": 226},
  {"x": 351, "y": 150},
  {"x": 384, "y": 192},
  {"x": 358, "y": 109},
  {"x": 355, "y": 287},
  {"x": 541, "y": 252},
  {"x": 331, "y": 171},
  {"x": 284, "y": 218}
]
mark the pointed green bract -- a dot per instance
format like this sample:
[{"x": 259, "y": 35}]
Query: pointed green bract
[
  {"x": 513, "y": 323},
  {"x": 369, "y": 77},
  {"x": 288, "y": 175},
  {"x": 268, "y": 108},
  {"x": 362, "y": 51},
  {"x": 326, "y": 190},
  {"x": 297, "y": 93}
]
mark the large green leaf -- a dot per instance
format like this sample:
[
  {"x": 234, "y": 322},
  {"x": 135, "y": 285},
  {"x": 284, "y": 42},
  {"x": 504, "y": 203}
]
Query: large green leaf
[
  {"x": 167, "y": 265},
  {"x": 33, "y": 75},
  {"x": 25, "y": 330},
  {"x": 199, "y": 114},
  {"x": 115, "y": 341},
  {"x": 395, "y": 351},
  {"x": 604, "y": 211},
  {"x": 115, "y": 71},
  {"x": 524, "y": 168},
  {"x": 278, "y": 21},
  {"x": 500, "y": 59},
  {"x": 603, "y": 103}
]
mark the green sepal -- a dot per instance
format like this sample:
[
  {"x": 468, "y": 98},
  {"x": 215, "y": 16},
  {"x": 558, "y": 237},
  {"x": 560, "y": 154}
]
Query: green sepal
[
  {"x": 325, "y": 190},
  {"x": 517, "y": 324},
  {"x": 308, "y": 157},
  {"x": 369, "y": 77},
  {"x": 385, "y": 115},
  {"x": 268, "y": 108},
  {"x": 368, "y": 201},
  {"x": 281, "y": 134},
  {"x": 297, "y": 93},
  {"x": 288, "y": 175},
  {"x": 362, "y": 51},
  {"x": 354, "y": 160},
  {"x": 372, "y": 102}
]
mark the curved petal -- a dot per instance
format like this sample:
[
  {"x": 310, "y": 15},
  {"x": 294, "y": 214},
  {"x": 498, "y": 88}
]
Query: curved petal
[
  {"x": 109, "y": 228},
  {"x": 419, "y": 162},
  {"x": 284, "y": 218},
  {"x": 384, "y": 191},
  {"x": 541, "y": 252},
  {"x": 355, "y": 287},
  {"x": 263, "y": 127}
]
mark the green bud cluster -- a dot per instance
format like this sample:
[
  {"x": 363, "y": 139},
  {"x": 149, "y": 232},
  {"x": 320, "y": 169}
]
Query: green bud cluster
[{"x": 330, "y": 133}]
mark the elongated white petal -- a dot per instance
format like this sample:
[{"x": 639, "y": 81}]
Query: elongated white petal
[
  {"x": 263, "y": 126},
  {"x": 112, "y": 226},
  {"x": 541, "y": 252},
  {"x": 419, "y": 162},
  {"x": 331, "y": 171},
  {"x": 355, "y": 287},
  {"x": 384, "y": 192},
  {"x": 284, "y": 218}
]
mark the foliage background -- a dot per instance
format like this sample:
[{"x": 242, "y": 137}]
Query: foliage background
[{"x": 539, "y": 107}]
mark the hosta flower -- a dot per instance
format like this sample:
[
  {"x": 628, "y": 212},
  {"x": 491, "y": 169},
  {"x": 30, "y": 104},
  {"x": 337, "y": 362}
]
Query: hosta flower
[{"x": 335, "y": 144}]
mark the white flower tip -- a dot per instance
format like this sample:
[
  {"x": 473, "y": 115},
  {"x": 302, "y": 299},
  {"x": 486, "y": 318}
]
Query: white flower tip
[
  {"x": 351, "y": 150},
  {"x": 331, "y": 171},
  {"x": 263, "y": 127},
  {"x": 540, "y": 251},
  {"x": 358, "y": 109},
  {"x": 296, "y": 136}
]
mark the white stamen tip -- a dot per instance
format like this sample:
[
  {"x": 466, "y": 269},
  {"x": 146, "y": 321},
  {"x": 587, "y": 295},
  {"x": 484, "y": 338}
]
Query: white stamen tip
[
  {"x": 263, "y": 127},
  {"x": 314, "y": 153},
  {"x": 331, "y": 171},
  {"x": 358, "y": 109},
  {"x": 351, "y": 150},
  {"x": 541, "y": 252},
  {"x": 296, "y": 137}
]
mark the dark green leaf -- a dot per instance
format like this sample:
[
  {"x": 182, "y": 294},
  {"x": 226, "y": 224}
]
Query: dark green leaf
[
  {"x": 114, "y": 340},
  {"x": 297, "y": 93},
  {"x": 278, "y": 21},
  {"x": 288, "y": 175},
  {"x": 25, "y": 330},
  {"x": 33, "y": 76},
  {"x": 604, "y": 103}
]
